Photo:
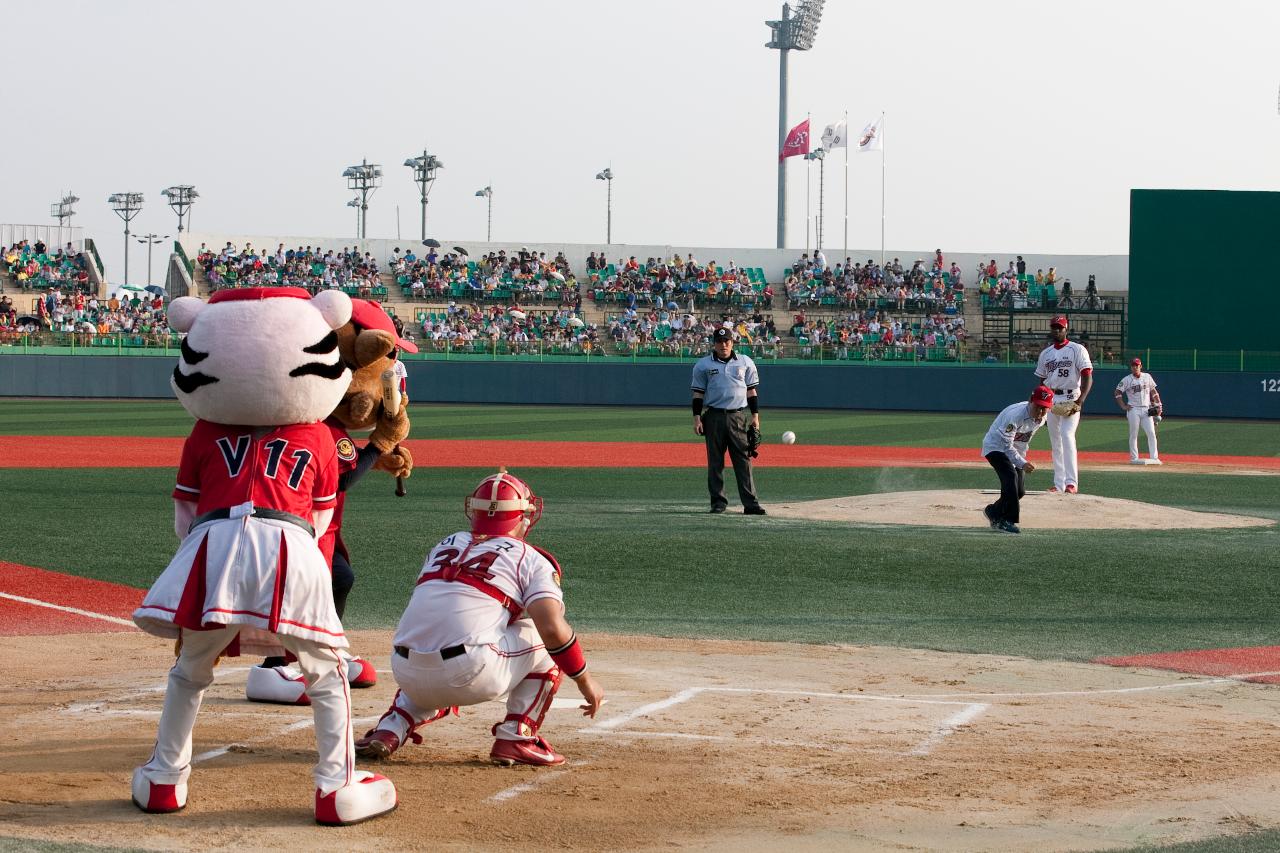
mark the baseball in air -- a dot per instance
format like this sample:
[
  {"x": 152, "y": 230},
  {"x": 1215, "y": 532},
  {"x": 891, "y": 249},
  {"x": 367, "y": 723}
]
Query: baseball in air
[{"x": 788, "y": 437}]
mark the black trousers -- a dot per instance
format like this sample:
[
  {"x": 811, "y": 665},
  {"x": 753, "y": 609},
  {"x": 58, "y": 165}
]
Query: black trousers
[
  {"x": 727, "y": 431},
  {"x": 1012, "y": 488}
]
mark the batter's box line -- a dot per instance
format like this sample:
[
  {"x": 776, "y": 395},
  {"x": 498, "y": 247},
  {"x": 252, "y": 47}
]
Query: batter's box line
[{"x": 967, "y": 713}]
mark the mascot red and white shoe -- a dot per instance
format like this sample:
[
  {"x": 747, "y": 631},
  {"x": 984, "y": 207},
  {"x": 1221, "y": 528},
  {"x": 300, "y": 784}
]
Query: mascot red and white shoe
[{"x": 260, "y": 370}]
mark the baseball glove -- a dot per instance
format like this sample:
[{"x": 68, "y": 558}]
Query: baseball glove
[
  {"x": 1153, "y": 411},
  {"x": 754, "y": 440},
  {"x": 1066, "y": 408}
]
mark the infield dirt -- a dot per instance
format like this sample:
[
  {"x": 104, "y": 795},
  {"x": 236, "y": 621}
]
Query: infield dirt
[{"x": 708, "y": 745}]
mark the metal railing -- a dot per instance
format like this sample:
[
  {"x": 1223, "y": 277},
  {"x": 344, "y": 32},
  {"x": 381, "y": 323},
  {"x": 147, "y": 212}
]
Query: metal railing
[
  {"x": 182, "y": 253},
  {"x": 789, "y": 352}
]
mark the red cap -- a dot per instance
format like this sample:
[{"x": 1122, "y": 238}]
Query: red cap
[
  {"x": 237, "y": 294},
  {"x": 1042, "y": 396},
  {"x": 371, "y": 316},
  {"x": 1060, "y": 320},
  {"x": 1136, "y": 361}
]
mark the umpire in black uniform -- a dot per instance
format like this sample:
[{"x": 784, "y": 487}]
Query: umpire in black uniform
[{"x": 725, "y": 405}]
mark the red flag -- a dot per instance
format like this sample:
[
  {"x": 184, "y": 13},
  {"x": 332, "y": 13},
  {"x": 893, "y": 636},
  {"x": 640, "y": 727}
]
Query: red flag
[{"x": 797, "y": 141}]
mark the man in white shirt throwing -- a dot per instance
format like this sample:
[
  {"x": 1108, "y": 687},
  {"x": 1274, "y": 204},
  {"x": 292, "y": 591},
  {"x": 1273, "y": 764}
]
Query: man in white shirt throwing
[
  {"x": 1005, "y": 447},
  {"x": 1137, "y": 397},
  {"x": 1065, "y": 367}
]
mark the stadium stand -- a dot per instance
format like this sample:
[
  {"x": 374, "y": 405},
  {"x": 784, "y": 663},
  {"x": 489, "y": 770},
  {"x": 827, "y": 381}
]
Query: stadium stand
[{"x": 31, "y": 266}]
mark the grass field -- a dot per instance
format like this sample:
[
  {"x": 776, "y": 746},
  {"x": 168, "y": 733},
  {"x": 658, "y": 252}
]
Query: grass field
[{"x": 641, "y": 555}]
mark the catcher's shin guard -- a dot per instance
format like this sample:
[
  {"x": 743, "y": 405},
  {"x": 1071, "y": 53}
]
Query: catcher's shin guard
[
  {"x": 531, "y": 696},
  {"x": 400, "y": 724}
]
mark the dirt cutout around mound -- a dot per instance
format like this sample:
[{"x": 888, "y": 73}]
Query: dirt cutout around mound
[
  {"x": 726, "y": 746},
  {"x": 1040, "y": 510}
]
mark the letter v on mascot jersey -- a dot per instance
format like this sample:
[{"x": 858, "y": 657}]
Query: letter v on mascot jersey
[
  {"x": 369, "y": 346},
  {"x": 260, "y": 369}
]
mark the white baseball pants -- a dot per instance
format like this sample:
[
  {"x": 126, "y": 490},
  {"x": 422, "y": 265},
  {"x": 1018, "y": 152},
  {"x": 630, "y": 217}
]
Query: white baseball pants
[
  {"x": 1062, "y": 442},
  {"x": 1139, "y": 417},
  {"x": 323, "y": 667},
  {"x": 517, "y": 667}
]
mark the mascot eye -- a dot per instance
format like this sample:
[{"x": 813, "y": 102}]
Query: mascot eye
[
  {"x": 327, "y": 344},
  {"x": 191, "y": 356}
]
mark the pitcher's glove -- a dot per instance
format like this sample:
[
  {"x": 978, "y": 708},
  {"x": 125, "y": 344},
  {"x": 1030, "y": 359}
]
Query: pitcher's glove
[
  {"x": 1153, "y": 411},
  {"x": 754, "y": 440},
  {"x": 1066, "y": 408}
]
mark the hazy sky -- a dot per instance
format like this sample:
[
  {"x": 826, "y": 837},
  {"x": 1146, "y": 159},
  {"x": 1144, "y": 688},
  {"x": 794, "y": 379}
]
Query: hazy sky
[{"x": 1012, "y": 125}]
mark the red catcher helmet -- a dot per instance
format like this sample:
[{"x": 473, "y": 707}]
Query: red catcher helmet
[{"x": 500, "y": 503}]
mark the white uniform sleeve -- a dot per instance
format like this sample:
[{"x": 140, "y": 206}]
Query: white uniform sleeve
[
  {"x": 537, "y": 579},
  {"x": 1083, "y": 362},
  {"x": 1018, "y": 460},
  {"x": 1041, "y": 370}
]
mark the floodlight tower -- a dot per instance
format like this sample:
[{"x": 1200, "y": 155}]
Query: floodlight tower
[
  {"x": 181, "y": 197},
  {"x": 486, "y": 193},
  {"x": 62, "y": 210},
  {"x": 363, "y": 179},
  {"x": 790, "y": 33},
  {"x": 607, "y": 176},
  {"x": 424, "y": 175},
  {"x": 355, "y": 202},
  {"x": 126, "y": 206},
  {"x": 150, "y": 240}
]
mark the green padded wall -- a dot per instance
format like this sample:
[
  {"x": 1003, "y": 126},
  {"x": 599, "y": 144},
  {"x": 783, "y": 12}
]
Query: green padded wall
[{"x": 1203, "y": 272}]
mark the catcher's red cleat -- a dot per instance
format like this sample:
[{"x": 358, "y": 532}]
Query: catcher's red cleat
[
  {"x": 377, "y": 744},
  {"x": 537, "y": 753},
  {"x": 1071, "y": 490}
]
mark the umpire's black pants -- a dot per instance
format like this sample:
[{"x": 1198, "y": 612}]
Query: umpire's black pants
[
  {"x": 1011, "y": 487},
  {"x": 723, "y": 430}
]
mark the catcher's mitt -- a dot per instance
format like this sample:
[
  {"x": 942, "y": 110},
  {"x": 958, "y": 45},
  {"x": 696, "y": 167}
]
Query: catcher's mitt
[
  {"x": 1066, "y": 408},
  {"x": 754, "y": 440}
]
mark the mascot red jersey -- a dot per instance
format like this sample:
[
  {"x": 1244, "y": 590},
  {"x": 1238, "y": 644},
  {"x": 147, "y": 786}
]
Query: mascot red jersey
[{"x": 260, "y": 369}]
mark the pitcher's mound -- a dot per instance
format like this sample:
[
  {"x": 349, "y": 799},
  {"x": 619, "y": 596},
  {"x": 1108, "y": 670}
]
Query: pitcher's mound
[{"x": 963, "y": 508}]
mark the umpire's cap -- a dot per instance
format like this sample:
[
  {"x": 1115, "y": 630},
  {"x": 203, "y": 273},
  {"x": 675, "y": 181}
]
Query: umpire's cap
[{"x": 722, "y": 334}]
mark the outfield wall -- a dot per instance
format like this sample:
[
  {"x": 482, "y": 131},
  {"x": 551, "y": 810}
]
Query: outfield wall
[{"x": 836, "y": 386}]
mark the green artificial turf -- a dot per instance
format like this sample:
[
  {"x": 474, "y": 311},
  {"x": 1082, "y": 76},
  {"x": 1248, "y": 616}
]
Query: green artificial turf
[
  {"x": 1253, "y": 842},
  {"x": 642, "y": 555},
  {"x": 599, "y": 423}
]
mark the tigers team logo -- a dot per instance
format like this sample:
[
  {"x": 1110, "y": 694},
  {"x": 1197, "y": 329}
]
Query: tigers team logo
[{"x": 346, "y": 449}]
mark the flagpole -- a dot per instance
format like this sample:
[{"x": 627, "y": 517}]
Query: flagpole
[
  {"x": 846, "y": 184},
  {"x": 882, "y": 190},
  {"x": 808, "y": 184}
]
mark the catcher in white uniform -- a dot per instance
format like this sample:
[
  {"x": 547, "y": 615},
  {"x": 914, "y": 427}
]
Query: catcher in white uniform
[
  {"x": 1065, "y": 367},
  {"x": 1137, "y": 397},
  {"x": 486, "y": 620}
]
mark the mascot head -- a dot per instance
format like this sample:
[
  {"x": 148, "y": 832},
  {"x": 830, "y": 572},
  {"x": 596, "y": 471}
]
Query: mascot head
[
  {"x": 369, "y": 345},
  {"x": 265, "y": 356}
]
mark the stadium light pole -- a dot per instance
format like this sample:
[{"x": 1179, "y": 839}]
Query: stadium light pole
[
  {"x": 487, "y": 193},
  {"x": 181, "y": 197},
  {"x": 126, "y": 206},
  {"x": 790, "y": 33},
  {"x": 424, "y": 175},
  {"x": 151, "y": 240},
  {"x": 355, "y": 202},
  {"x": 62, "y": 210},
  {"x": 364, "y": 179},
  {"x": 606, "y": 175}
]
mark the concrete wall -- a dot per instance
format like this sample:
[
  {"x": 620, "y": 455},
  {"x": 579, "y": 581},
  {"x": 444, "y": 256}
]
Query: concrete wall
[
  {"x": 1112, "y": 270},
  {"x": 908, "y": 388}
]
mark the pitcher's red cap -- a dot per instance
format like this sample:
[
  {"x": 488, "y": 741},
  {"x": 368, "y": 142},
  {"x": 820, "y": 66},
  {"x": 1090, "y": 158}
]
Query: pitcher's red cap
[{"x": 1060, "y": 320}]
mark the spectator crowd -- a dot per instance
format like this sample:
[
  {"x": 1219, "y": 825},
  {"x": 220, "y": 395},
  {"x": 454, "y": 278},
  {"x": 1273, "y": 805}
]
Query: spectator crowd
[
  {"x": 519, "y": 277},
  {"x": 685, "y": 281},
  {"x": 307, "y": 267},
  {"x": 923, "y": 287},
  {"x": 32, "y": 266},
  {"x": 82, "y": 318}
]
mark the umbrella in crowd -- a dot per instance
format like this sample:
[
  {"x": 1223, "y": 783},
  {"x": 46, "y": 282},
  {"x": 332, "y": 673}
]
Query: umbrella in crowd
[
  {"x": 575, "y": 322},
  {"x": 431, "y": 242},
  {"x": 462, "y": 251},
  {"x": 131, "y": 287},
  {"x": 557, "y": 275},
  {"x": 28, "y": 319},
  {"x": 155, "y": 288}
]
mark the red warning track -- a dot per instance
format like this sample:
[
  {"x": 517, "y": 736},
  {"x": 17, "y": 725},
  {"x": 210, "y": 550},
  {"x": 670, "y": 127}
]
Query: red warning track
[
  {"x": 36, "y": 601},
  {"x": 1261, "y": 664},
  {"x": 22, "y": 451}
]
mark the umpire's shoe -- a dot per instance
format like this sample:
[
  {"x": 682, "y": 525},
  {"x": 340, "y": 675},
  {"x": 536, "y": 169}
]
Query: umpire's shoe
[
  {"x": 1007, "y": 526},
  {"x": 717, "y": 509},
  {"x": 754, "y": 510}
]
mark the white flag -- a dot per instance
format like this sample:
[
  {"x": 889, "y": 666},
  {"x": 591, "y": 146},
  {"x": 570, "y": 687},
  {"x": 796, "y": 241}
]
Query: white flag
[
  {"x": 870, "y": 139},
  {"x": 835, "y": 136}
]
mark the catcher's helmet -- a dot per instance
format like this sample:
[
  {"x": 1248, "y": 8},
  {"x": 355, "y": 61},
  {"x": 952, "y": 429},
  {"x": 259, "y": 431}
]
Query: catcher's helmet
[{"x": 502, "y": 505}]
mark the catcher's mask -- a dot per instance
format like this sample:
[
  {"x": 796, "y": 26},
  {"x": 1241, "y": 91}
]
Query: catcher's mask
[{"x": 502, "y": 505}]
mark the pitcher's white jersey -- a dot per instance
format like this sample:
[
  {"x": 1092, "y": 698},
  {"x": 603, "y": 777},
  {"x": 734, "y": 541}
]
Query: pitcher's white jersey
[
  {"x": 1137, "y": 389},
  {"x": 1061, "y": 367},
  {"x": 445, "y": 613}
]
